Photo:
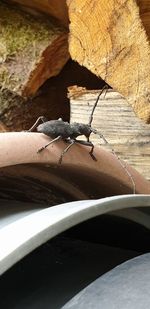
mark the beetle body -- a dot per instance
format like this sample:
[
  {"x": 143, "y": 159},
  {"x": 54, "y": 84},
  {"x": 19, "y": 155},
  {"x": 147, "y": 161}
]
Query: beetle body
[{"x": 55, "y": 128}]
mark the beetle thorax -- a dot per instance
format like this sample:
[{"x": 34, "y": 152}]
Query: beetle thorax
[{"x": 80, "y": 129}]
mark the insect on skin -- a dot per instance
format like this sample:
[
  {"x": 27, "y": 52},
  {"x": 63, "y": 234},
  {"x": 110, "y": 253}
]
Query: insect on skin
[{"x": 60, "y": 130}]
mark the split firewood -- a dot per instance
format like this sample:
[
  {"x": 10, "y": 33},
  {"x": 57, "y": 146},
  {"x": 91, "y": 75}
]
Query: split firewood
[
  {"x": 31, "y": 51},
  {"x": 115, "y": 119},
  {"x": 59, "y": 10},
  {"x": 108, "y": 38}
]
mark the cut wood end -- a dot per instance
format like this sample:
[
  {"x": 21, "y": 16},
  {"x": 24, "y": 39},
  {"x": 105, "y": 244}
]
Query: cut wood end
[
  {"x": 142, "y": 108},
  {"x": 108, "y": 38}
]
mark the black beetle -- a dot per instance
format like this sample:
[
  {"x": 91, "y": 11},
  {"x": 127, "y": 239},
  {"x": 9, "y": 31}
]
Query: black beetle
[{"x": 59, "y": 129}]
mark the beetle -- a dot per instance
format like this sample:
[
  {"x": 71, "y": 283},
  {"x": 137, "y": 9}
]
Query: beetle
[{"x": 59, "y": 129}]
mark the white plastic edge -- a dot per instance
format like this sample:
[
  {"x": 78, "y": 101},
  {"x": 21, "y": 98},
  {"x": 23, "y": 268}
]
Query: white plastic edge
[{"x": 24, "y": 235}]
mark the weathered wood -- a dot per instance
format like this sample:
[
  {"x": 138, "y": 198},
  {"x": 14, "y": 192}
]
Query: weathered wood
[
  {"x": 31, "y": 51},
  {"x": 109, "y": 39},
  {"x": 114, "y": 118},
  {"x": 55, "y": 8}
]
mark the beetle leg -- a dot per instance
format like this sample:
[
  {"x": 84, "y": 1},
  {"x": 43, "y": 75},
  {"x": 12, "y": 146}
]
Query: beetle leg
[
  {"x": 41, "y": 119},
  {"x": 54, "y": 140},
  {"x": 90, "y": 144},
  {"x": 72, "y": 141}
]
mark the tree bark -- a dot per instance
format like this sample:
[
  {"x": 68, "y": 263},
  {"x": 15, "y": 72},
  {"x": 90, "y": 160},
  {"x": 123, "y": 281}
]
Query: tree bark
[{"x": 109, "y": 39}]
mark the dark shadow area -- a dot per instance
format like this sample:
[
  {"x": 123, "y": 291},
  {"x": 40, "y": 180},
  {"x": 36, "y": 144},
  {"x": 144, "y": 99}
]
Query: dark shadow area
[
  {"x": 113, "y": 231},
  {"x": 51, "y": 99},
  {"x": 53, "y": 93},
  {"x": 55, "y": 272},
  {"x": 53, "y": 185}
]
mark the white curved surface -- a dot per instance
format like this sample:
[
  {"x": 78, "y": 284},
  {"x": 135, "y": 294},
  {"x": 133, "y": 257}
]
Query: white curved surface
[{"x": 27, "y": 231}]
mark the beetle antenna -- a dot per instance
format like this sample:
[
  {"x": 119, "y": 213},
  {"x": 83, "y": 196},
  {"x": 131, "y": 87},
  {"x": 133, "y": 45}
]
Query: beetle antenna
[
  {"x": 41, "y": 119},
  {"x": 122, "y": 163},
  {"x": 95, "y": 104}
]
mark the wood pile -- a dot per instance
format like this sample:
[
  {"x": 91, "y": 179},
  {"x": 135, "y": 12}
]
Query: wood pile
[{"x": 109, "y": 38}]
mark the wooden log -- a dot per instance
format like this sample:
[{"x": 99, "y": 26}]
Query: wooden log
[
  {"x": 55, "y": 8},
  {"x": 31, "y": 51},
  {"x": 109, "y": 39},
  {"x": 114, "y": 118},
  {"x": 59, "y": 10}
]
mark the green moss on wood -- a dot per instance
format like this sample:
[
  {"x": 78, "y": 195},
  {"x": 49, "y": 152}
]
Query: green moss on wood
[
  {"x": 18, "y": 30},
  {"x": 22, "y": 40}
]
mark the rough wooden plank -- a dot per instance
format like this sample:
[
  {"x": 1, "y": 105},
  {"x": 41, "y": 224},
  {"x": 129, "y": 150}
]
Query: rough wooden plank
[
  {"x": 114, "y": 118},
  {"x": 109, "y": 39}
]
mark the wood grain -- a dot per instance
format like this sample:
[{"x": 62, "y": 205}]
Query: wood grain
[
  {"x": 108, "y": 38},
  {"x": 115, "y": 119}
]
